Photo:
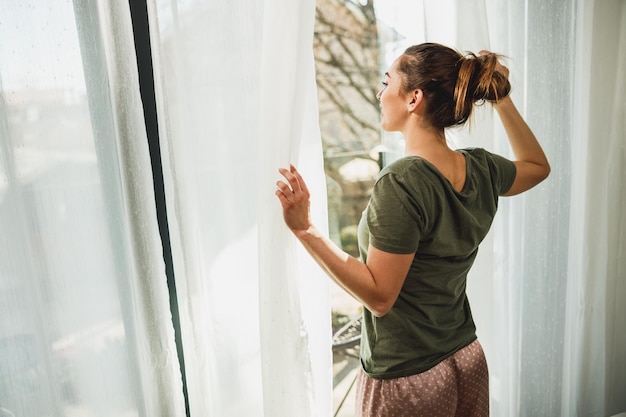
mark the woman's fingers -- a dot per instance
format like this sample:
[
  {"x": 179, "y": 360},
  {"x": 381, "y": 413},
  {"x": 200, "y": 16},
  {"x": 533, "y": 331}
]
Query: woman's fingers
[
  {"x": 295, "y": 183},
  {"x": 283, "y": 199},
  {"x": 300, "y": 181},
  {"x": 285, "y": 193},
  {"x": 294, "y": 198},
  {"x": 499, "y": 67},
  {"x": 291, "y": 179},
  {"x": 284, "y": 188}
]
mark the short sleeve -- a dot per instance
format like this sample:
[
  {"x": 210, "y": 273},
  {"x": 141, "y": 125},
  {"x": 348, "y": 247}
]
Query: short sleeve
[
  {"x": 503, "y": 172},
  {"x": 393, "y": 216}
]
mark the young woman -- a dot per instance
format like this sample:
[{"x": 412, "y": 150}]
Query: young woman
[{"x": 420, "y": 232}]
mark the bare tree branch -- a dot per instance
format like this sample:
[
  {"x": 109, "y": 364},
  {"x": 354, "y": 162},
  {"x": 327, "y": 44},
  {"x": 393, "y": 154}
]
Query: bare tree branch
[{"x": 346, "y": 56}]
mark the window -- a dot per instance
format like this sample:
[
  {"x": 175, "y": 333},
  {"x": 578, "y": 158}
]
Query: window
[{"x": 352, "y": 47}]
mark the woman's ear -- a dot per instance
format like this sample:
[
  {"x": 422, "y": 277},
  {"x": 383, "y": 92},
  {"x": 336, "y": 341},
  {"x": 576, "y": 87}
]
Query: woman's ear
[{"x": 415, "y": 99}]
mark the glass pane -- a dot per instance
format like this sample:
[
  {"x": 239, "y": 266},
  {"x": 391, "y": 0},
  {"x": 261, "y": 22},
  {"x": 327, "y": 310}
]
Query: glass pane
[{"x": 355, "y": 41}]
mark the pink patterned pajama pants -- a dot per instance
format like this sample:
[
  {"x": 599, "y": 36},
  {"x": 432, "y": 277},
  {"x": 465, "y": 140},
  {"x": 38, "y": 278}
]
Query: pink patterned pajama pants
[{"x": 456, "y": 387}]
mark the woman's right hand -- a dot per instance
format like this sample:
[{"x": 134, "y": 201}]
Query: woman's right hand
[{"x": 295, "y": 200}]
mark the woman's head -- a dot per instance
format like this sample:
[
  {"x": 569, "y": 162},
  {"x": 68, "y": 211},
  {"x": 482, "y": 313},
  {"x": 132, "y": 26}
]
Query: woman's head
[{"x": 450, "y": 81}]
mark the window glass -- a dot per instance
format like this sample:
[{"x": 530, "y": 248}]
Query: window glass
[{"x": 354, "y": 43}]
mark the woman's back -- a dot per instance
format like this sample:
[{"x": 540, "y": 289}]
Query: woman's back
[{"x": 415, "y": 209}]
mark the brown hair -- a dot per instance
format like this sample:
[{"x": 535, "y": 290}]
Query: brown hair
[{"x": 451, "y": 82}]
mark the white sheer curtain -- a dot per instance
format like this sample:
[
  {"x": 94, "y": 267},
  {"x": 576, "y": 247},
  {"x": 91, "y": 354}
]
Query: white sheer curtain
[
  {"x": 85, "y": 326},
  {"x": 560, "y": 286},
  {"x": 595, "y": 338},
  {"x": 549, "y": 285},
  {"x": 236, "y": 100}
]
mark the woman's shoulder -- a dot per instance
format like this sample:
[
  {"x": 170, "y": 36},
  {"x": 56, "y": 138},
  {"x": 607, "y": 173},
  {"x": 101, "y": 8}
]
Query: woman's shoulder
[
  {"x": 478, "y": 153},
  {"x": 413, "y": 175},
  {"x": 403, "y": 166},
  {"x": 500, "y": 170},
  {"x": 484, "y": 157}
]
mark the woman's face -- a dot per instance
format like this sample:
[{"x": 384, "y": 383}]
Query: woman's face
[{"x": 393, "y": 101}]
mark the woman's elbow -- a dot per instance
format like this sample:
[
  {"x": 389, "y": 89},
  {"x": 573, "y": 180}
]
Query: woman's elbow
[
  {"x": 538, "y": 172},
  {"x": 545, "y": 171},
  {"x": 542, "y": 174},
  {"x": 381, "y": 308},
  {"x": 528, "y": 176}
]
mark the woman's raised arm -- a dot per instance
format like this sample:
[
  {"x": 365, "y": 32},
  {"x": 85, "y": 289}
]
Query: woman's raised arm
[{"x": 530, "y": 160}]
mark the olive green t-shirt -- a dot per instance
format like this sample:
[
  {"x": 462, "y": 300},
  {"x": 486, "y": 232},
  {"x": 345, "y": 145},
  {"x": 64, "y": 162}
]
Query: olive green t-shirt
[{"x": 415, "y": 209}]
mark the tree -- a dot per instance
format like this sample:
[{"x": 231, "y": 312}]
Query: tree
[{"x": 347, "y": 67}]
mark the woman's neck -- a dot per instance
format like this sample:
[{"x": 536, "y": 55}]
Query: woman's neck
[
  {"x": 425, "y": 143},
  {"x": 433, "y": 147}
]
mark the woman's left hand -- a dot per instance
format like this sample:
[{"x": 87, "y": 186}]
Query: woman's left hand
[{"x": 294, "y": 197}]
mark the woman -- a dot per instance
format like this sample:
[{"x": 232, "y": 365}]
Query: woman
[{"x": 420, "y": 233}]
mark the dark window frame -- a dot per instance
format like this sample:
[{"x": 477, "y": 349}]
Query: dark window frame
[{"x": 143, "y": 51}]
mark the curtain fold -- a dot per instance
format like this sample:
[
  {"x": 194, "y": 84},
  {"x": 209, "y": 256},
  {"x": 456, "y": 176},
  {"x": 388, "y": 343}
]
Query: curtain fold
[
  {"x": 85, "y": 326},
  {"x": 235, "y": 97}
]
